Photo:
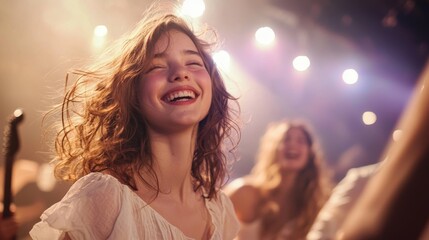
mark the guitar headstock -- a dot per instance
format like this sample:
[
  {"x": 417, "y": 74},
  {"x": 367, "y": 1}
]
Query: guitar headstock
[
  {"x": 11, "y": 133},
  {"x": 17, "y": 117}
]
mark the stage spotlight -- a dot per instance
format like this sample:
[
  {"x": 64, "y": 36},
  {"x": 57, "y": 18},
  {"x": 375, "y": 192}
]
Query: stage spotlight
[
  {"x": 301, "y": 63},
  {"x": 100, "y": 31},
  {"x": 397, "y": 135},
  {"x": 350, "y": 76},
  {"x": 193, "y": 8},
  {"x": 222, "y": 59},
  {"x": 265, "y": 36},
  {"x": 369, "y": 118},
  {"x": 99, "y": 37}
]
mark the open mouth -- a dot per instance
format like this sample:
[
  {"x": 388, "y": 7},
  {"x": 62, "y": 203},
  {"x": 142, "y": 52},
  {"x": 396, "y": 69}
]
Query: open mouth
[
  {"x": 292, "y": 155},
  {"x": 180, "y": 96}
]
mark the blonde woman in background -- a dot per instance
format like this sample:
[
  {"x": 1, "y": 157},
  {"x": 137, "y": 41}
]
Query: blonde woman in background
[{"x": 286, "y": 188}]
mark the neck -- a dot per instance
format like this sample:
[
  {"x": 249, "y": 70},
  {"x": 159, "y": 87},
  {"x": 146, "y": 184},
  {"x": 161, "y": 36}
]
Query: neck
[
  {"x": 172, "y": 157},
  {"x": 288, "y": 181}
]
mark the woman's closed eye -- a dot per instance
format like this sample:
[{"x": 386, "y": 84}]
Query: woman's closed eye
[
  {"x": 195, "y": 64},
  {"x": 154, "y": 67}
]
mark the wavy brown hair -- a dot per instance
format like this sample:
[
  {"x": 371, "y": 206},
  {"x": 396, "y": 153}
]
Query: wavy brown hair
[
  {"x": 102, "y": 128},
  {"x": 312, "y": 186}
]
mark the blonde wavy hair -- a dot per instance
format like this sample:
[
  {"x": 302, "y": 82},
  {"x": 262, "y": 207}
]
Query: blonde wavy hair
[
  {"x": 102, "y": 127},
  {"x": 312, "y": 186}
]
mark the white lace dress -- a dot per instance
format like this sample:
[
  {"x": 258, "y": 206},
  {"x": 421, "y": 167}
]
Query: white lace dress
[{"x": 98, "y": 206}]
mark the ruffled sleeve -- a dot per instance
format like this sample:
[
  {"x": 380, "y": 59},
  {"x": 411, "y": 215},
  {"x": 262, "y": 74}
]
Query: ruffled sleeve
[{"x": 88, "y": 210}]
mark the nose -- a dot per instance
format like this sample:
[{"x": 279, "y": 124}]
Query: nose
[{"x": 179, "y": 73}]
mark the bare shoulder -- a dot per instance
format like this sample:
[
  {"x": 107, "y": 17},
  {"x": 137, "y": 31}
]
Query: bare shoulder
[
  {"x": 246, "y": 198},
  {"x": 241, "y": 186}
]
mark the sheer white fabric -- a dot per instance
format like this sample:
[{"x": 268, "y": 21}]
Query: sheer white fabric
[
  {"x": 98, "y": 206},
  {"x": 251, "y": 231},
  {"x": 343, "y": 198},
  {"x": 341, "y": 201}
]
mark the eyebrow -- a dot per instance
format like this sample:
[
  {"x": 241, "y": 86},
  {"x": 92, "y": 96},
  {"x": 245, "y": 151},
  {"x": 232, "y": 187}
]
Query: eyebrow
[{"x": 185, "y": 52}]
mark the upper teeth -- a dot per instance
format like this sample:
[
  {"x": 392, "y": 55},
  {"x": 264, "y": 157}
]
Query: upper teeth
[
  {"x": 292, "y": 154},
  {"x": 180, "y": 94}
]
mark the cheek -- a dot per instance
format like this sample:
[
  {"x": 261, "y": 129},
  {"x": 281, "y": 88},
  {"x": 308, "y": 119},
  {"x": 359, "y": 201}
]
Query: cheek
[
  {"x": 203, "y": 77},
  {"x": 206, "y": 84},
  {"x": 146, "y": 91},
  {"x": 148, "y": 86},
  {"x": 209, "y": 93},
  {"x": 306, "y": 155},
  {"x": 141, "y": 93},
  {"x": 281, "y": 148}
]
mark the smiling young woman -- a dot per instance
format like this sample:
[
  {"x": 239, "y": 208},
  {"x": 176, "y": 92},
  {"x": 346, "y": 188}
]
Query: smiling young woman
[{"x": 142, "y": 138}]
